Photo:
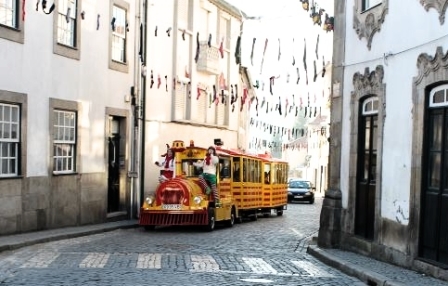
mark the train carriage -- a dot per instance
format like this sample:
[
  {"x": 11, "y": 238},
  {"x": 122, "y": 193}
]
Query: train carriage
[
  {"x": 275, "y": 187},
  {"x": 247, "y": 185},
  {"x": 182, "y": 201}
]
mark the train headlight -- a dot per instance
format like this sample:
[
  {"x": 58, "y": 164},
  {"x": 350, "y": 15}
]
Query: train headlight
[
  {"x": 149, "y": 200},
  {"x": 197, "y": 200}
]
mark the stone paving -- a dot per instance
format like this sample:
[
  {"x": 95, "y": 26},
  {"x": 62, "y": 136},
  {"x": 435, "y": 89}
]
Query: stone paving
[{"x": 270, "y": 251}]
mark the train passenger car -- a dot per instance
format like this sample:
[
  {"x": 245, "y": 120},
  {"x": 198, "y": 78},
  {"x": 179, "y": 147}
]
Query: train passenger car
[
  {"x": 275, "y": 187},
  {"x": 182, "y": 201},
  {"x": 258, "y": 183}
]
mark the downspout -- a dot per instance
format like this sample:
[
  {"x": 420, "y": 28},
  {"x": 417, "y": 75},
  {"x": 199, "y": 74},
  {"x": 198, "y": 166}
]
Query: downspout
[
  {"x": 135, "y": 94},
  {"x": 142, "y": 117}
]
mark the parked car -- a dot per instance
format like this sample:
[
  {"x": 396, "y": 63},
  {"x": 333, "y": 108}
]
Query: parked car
[{"x": 300, "y": 190}]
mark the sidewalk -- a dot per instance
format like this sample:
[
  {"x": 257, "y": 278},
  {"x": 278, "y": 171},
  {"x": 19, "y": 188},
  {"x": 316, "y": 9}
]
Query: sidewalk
[
  {"x": 368, "y": 270},
  {"x": 371, "y": 271}
]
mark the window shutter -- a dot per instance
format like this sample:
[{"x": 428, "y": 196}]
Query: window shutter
[{"x": 179, "y": 101}]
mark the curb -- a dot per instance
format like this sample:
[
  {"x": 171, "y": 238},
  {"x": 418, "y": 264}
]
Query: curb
[
  {"x": 31, "y": 238},
  {"x": 367, "y": 276}
]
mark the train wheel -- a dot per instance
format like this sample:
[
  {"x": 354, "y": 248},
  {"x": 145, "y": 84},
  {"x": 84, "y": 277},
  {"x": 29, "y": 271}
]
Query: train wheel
[
  {"x": 231, "y": 221},
  {"x": 211, "y": 219},
  {"x": 150, "y": 227}
]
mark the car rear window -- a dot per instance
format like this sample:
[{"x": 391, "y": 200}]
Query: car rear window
[{"x": 299, "y": 184}]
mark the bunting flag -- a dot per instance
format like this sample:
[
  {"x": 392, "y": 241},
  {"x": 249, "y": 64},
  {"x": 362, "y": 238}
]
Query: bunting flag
[
  {"x": 152, "y": 80},
  {"x": 304, "y": 60},
  {"x": 221, "y": 48},
  {"x": 166, "y": 83},
  {"x": 252, "y": 51},
  {"x": 196, "y": 57},
  {"x": 293, "y": 58},
  {"x": 238, "y": 51},
  {"x": 298, "y": 75},
  {"x": 264, "y": 52},
  {"x": 23, "y": 10},
  {"x": 140, "y": 49},
  {"x": 44, "y": 6},
  {"x": 279, "y": 49},
  {"x": 323, "y": 66}
]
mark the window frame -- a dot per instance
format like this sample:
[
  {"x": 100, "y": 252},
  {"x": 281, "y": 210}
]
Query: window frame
[
  {"x": 11, "y": 141},
  {"x": 67, "y": 155},
  {"x": 364, "y": 4},
  {"x": 71, "y": 107},
  {"x": 19, "y": 100},
  {"x": 73, "y": 52},
  {"x": 433, "y": 91},
  {"x": 15, "y": 33},
  {"x": 114, "y": 64},
  {"x": 71, "y": 25}
]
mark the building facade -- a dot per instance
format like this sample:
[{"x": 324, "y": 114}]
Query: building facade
[
  {"x": 66, "y": 69},
  {"x": 194, "y": 87},
  {"x": 91, "y": 91},
  {"x": 388, "y": 175}
]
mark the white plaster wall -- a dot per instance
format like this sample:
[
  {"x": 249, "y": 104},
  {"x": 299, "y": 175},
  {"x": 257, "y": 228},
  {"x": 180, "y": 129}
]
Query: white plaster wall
[
  {"x": 406, "y": 40},
  {"x": 34, "y": 69},
  {"x": 159, "y": 128},
  {"x": 159, "y": 59}
]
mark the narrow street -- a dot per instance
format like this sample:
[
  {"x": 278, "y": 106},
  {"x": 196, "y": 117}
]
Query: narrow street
[{"x": 269, "y": 251}]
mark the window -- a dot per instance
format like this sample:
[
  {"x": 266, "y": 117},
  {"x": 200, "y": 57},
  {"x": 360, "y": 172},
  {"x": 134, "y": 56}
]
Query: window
[
  {"x": 9, "y": 140},
  {"x": 370, "y": 106},
  {"x": 118, "y": 25},
  {"x": 367, "y": 4},
  {"x": 8, "y": 13},
  {"x": 224, "y": 31},
  {"x": 66, "y": 34},
  {"x": 67, "y": 29},
  {"x": 439, "y": 96},
  {"x": 64, "y": 141},
  {"x": 118, "y": 34},
  {"x": 11, "y": 20}
]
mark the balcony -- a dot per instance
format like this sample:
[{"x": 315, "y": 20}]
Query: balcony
[{"x": 208, "y": 60}]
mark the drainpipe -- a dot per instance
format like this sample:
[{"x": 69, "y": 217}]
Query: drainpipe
[
  {"x": 135, "y": 94},
  {"x": 142, "y": 118}
]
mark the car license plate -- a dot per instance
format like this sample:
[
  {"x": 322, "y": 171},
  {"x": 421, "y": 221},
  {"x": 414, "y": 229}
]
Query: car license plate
[
  {"x": 171, "y": 207},
  {"x": 298, "y": 197}
]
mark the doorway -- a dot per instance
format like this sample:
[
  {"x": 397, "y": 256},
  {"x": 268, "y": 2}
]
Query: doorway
[
  {"x": 114, "y": 162},
  {"x": 434, "y": 212},
  {"x": 366, "y": 169}
]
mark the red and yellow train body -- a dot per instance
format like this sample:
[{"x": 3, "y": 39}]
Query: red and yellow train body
[
  {"x": 182, "y": 201},
  {"x": 247, "y": 184}
]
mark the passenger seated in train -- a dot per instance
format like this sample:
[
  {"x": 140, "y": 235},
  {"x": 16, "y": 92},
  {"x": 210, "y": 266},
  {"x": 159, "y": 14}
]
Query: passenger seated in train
[
  {"x": 168, "y": 166},
  {"x": 208, "y": 177}
]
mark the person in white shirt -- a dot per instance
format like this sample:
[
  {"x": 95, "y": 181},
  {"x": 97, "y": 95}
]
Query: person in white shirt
[
  {"x": 208, "y": 177},
  {"x": 168, "y": 166}
]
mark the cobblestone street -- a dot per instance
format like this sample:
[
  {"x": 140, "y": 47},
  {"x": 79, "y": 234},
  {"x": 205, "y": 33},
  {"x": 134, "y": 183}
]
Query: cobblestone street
[{"x": 270, "y": 251}]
